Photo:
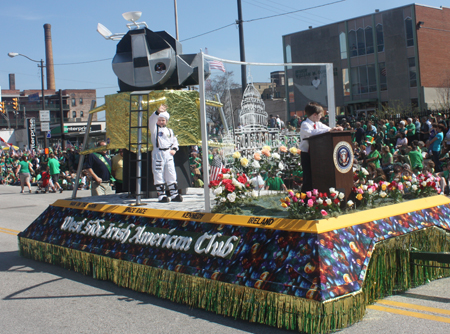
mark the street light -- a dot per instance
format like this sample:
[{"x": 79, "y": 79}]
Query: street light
[{"x": 41, "y": 65}]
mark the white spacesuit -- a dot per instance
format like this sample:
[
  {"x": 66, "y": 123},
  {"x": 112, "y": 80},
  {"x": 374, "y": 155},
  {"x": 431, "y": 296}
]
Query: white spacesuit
[{"x": 165, "y": 145}]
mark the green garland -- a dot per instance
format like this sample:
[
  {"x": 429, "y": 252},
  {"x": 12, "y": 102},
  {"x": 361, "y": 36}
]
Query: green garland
[{"x": 388, "y": 273}]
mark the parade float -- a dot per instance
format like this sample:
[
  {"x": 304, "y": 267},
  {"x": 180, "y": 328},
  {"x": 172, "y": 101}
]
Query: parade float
[{"x": 312, "y": 275}]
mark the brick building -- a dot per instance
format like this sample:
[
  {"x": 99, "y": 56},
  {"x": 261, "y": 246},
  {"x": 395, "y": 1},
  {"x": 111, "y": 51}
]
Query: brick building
[{"x": 398, "y": 59}]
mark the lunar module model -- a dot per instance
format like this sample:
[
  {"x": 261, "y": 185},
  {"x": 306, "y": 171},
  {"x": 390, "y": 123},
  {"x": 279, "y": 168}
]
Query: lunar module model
[{"x": 148, "y": 60}]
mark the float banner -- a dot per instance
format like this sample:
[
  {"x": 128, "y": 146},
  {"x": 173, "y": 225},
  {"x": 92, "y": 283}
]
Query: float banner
[
  {"x": 316, "y": 266},
  {"x": 31, "y": 126}
]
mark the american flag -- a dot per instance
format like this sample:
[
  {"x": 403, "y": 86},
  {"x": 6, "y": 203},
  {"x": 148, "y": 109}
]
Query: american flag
[
  {"x": 216, "y": 65},
  {"x": 216, "y": 168}
]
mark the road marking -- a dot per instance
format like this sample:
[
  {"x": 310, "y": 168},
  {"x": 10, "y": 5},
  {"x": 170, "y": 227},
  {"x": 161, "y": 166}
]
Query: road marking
[
  {"x": 8, "y": 231},
  {"x": 409, "y": 313},
  {"x": 414, "y": 307}
]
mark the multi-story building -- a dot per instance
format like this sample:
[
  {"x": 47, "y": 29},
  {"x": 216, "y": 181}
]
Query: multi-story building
[
  {"x": 397, "y": 59},
  {"x": 75, "y": 107}
]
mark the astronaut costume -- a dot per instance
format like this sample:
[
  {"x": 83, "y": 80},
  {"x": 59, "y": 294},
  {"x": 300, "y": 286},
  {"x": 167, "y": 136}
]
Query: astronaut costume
[{"x": 163, "y": 167}]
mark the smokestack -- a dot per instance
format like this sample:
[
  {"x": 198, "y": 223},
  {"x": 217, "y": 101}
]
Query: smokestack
[
  {"x": 49, "y": 57},
  {"x": 12, "y": 81}
]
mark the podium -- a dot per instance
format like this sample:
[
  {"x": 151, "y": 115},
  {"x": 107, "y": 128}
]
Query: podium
[{"x": 332, "y": 161}]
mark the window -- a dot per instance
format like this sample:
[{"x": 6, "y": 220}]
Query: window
[
  {"x": 383, "y": 74},
  {"x": 363, "y": 79},
  {"x": 81, "y": 114},
  {"x": 345, "y": 82},
  {"x": 352, "y": 42},
  {"x": 74, "y": 114},
  {"x": 74, "y": 102},
  {"x": 409, "y": 32},
  {"x": 371, "y": 78},
  {"x": 380, "y": 38},
  {"x": 81, "y": 100},
  {"x": 356, "y": 89},
  {"x": 343, "y": 45},
  {"x": 412, "y": 72},
  {"x": 369, "y": 40},
  {"x": 361, "y": 42}
]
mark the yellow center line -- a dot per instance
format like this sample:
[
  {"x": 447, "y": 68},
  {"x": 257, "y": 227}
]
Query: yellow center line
[
  {"x": 414, "y": 307},
  {"x": 409, "y": 313},
  {"x": 8, "y": 232},
  {"x": 7, "y": 229}
]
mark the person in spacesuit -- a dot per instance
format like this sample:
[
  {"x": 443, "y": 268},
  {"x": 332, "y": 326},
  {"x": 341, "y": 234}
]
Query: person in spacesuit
[{"x": 165, "y": 145}]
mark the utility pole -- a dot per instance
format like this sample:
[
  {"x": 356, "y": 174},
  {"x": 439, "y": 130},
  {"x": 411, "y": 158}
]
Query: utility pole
[
  {"x": 61, "y": 123},
  {"x": 241, "y": 46}
]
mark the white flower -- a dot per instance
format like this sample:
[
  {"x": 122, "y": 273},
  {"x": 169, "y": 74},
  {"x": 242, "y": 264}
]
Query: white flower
[
  {"x": 276, "y": 156},
  {"x": 350, "y": 203},
  {"x": 227, "y": 176},
  {"x": 408, "y": 184},
  {"x": 364, "y": 171},
  {"x": 328, "y": 201},
  {"x": 383, "y": 194},
  {"x": 332, "y": 191},
  {"x": 370, "y": 182},
  {"x": 364, "y": 187},
  {"x": 254, "y": 193},
  {"x": 255, "y": 164},
  {"x": 424, "y": 184},
  {"x": 231, "y": 197},
  {"x": 218, "y": 191},
  {"x": 223, "y": 199},
  {"x": 319, "y": 201},
  {"x": 280, "y": 165},
  {"x": 236, "y": 183},
  {"x": 370, "y": 190},
  {"x": 414, "y": 187},
  {"x": 341, "y": 196}
]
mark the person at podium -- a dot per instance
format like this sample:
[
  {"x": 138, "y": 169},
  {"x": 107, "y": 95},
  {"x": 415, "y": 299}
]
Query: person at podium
[{"x": 311, "y": 126}]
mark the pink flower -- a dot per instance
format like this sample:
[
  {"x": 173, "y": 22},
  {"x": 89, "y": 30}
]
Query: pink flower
[
  {"x": 360, "y": 191},
  {"x": 308, "y": 193},
  {"x": 310, "y": 202},
  {"x": 400, "y": 186},
  {"x": 291, "y": 193},
  {"x": 315, "y": 192},
  {"x": 324, "y": 213},
  {"x": 295, "y": 199}
]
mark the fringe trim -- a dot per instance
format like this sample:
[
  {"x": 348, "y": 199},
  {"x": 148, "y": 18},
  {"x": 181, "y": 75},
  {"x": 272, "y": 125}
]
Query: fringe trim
[{"x": 388, "y": 273}]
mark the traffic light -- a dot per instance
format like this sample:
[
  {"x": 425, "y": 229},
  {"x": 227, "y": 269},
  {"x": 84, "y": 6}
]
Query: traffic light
[
  {"x": 15, "y": 104},
  {"x": 2, "y": 107}
]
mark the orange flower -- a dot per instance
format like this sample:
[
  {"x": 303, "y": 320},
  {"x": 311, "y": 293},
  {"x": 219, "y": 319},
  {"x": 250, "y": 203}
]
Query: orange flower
[
  {"x": 283, "y": 149},
  {"x": 257, "y": 156},
  {"x": 266, "y": 152},
  {"x": 303, "y": 195}
]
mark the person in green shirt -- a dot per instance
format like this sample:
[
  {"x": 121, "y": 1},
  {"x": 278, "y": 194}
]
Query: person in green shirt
[
  {"x": 374, "y": 155},
  {"x": 53, "y": 165},
  {"x": 411, "y": 128},
  {"x": 387, "y": 160},
  {"x": 274, "y": 182},
  {"x": 23, "y": 171},
  {"x": 416, "y": 157}
]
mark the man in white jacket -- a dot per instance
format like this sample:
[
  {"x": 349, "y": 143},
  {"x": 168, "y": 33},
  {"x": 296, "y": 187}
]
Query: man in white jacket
[{"x": 165, "y": 145}]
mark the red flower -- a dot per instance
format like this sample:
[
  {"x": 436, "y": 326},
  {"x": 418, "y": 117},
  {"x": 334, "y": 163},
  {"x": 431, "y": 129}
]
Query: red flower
[
  {"x": 324, "y": 204},
  {"x": 227, "y": 181},
  {"x": 225, "y": 170},
  {"x": 214, "y": 183},
  {"x": 336, "y": 201},
  {"x": 220, "y": 176},
  {"x": 242, "y": 179},
  {"x": 229, "y": 187}
]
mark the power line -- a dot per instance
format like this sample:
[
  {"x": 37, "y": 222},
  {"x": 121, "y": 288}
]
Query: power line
[
  {"x": 228, "y": 25},
  {"x": 295, "y": 11},
  {"x": 83, "y": 62},
  {"x": 264, "y": 18}
]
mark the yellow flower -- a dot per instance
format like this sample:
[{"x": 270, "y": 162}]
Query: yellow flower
[
  {"x": 293, "y": 150},
  {"x": 383, "y": 187},
  {"x": 282, "y": 200},
  {"x": 266, "y": 148},
  {"x": 359, "y": 197},
  {"x": 287, "y": 199},
  {"x": 244, "y": 162},
  {"x": 236, "y": 155},
  {"x": 297, "y": 195},
  {"x": 284, "y": 205},
  {"x": 303, "y": 196}
]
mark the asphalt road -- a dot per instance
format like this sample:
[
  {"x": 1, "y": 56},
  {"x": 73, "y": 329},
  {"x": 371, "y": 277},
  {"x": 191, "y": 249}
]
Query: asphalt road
[{"x": 40, "y": 298}]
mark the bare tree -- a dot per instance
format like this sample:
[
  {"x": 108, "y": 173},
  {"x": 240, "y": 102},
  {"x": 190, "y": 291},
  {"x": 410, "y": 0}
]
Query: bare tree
[
  {"x": 223, "y": 87},
  {"x": 443, "y": 94}
]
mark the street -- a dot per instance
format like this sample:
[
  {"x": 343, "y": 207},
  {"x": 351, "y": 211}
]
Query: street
[{"x": 41, "y": 298}]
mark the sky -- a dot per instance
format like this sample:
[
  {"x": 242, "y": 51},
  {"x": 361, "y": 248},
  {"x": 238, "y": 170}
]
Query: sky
[{"x": 82, "y": 57}]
